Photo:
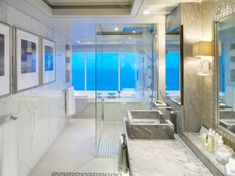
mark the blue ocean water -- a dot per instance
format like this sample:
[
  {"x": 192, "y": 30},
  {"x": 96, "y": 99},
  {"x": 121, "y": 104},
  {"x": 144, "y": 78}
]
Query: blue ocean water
[
  {"x": 222, "y": 71},
  {"x": 78, "y": 71},
  {"x": 172, "y": 71},
  {"x": 102, "y": 71}
]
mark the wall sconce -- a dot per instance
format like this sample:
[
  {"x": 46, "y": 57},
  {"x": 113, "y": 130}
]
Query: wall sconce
[{"x": 203, "y": 50}]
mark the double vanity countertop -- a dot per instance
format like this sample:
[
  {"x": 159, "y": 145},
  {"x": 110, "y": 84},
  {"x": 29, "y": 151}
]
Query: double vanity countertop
[{"x": 163, "y": 158}]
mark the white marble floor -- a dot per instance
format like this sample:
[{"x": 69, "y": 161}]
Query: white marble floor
[{"x": 74, "y": 151}]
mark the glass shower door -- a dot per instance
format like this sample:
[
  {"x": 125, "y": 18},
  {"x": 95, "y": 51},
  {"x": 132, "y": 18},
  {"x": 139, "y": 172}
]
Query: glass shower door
[
  {"x": 125, "y": 74},
  {"x": 99, "y": 96}
]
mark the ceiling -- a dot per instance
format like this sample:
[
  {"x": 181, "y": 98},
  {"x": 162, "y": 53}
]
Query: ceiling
[
  {"x": 125, "y": 34},
  {"x": 112, "y": 7},
  {"x": 86, "y": 34},
  {"x": 90, "y": 7},
  {"x": 83, "y": 16},
  {"x": 87, "y": 2},
  {"x": 124, "y": 28}
]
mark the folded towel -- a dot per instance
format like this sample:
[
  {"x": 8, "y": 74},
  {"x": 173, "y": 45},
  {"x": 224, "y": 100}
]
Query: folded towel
[
  {"x": 228, "y": 171},
  {"x": 70, "y": 102},
  {"x": 231, "y": 165}
]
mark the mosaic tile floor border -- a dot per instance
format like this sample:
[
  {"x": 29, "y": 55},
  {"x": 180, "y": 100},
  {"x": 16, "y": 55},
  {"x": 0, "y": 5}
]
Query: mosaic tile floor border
[{"x": 84, "y": 174}]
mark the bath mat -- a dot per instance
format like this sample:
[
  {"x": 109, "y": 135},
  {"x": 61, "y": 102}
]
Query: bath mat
[{"x": 84, "y": 174}]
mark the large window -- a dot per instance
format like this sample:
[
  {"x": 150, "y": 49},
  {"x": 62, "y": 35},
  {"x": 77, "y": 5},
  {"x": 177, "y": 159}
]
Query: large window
[
  {"x": 128, "y": 64},
  {"x": 173, "y": 71},
  {"x": 78, "y": 77},
  {"x": 173, "y": 68},
  {"x": 107, "y": 71},
  {"x": 90, "y": 66},
  {"x": 104, "y": 71}
]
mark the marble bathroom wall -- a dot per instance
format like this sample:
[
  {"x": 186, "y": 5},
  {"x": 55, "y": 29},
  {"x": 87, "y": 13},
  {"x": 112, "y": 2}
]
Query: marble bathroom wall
[
  {"x": 173, "y": 22},
  {"x": 188, "y": 115},
  {"x": 191, "y": 15},
  {"x": 208, "y": 84},
  {"x": 85, "y": 107},
  {"x": 40, "y": 111},
  {"x": 161, "y": 77},
  {"x": 199, "y": 91}
]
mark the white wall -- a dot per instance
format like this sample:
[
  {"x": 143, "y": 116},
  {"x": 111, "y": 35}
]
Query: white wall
[{"x": 40, "y": 111}]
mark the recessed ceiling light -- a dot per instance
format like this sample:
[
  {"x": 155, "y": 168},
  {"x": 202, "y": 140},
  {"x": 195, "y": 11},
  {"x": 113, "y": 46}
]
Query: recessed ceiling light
[
  {"x": 129, "y": 38},
  {"x": 145, "y": 12},
  {"x": 134, "y": 32},
  {"x": 78, "y": 41},
  {"x": 116, "y": 29}
]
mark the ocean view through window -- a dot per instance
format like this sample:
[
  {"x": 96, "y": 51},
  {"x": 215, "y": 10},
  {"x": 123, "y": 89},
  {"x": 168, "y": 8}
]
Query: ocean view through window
[
  {"x": 78, "y": 70},
  {"x": 113, "y": 71},
  {"x": 173, "y": 71},
  {"x": 107, "y": 72},
  {"x": 128, "y": 66}
]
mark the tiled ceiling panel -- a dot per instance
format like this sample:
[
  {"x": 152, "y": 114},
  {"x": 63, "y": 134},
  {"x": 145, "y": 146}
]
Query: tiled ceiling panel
[
  {"x": 114, "y": 8},
  {"x": 87, "y": 2}
]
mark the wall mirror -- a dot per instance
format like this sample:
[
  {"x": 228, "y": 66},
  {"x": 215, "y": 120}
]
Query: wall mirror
[
  {"x": 225, "y": 58},
  {"x": 174, "y": 66}
]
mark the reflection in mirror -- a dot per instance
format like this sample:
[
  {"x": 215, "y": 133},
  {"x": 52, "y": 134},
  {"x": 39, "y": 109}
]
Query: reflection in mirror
[
  {"x": 226, "y": 76},
  {"x": 173, "y": 67}
]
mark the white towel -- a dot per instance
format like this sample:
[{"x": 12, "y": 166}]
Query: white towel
[
  {"x": 8, "y": 149},
  {"x": 228, "y": 171},
  {"x": 231, "y": 165},
  {"x": 70, "y": 102}
]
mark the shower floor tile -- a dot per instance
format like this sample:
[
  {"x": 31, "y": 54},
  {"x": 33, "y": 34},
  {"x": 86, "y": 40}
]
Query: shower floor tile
[
  {"x": 74, "y": 151},
  {"x": 109, "y": 140}
]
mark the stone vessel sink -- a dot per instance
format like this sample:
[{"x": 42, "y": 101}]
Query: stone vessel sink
[
  {"x": 148, "y": 124},
  {"x": 159, "y": 103}
]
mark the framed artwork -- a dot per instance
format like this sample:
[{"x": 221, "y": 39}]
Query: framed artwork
[
  {"x": 26, "y": 60},
  {"x": 4, "y": 59},
  {"x": 48, "y": 61}
]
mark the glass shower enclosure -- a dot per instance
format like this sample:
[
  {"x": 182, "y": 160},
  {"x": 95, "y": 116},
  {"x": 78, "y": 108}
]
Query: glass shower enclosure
[{"x": 126, "y": 78}]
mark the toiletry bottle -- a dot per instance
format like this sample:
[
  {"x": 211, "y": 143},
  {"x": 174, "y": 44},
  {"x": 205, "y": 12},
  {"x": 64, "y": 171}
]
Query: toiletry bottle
[
  {"x": 216, "y": 139},
  {"x": 220, "y": 141},
  {"x": 211, "y": 137},
  {"x": 209, "y": 144},
  {"x": 209, "y": 133},
  {"x": 204, "y": 139}
]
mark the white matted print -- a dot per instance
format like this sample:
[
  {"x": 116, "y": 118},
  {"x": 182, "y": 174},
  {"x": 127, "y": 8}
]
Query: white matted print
[
  {"x": 4, "y": 59},
  {"x": 27, "y": 60},
  {"x": 48, "y": 61}
]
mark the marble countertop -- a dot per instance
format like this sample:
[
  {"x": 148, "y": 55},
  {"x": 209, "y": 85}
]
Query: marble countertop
[
  {"x": 163, "y": 158},
  {"x": 195, "y": 139}
]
